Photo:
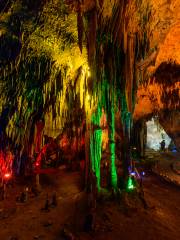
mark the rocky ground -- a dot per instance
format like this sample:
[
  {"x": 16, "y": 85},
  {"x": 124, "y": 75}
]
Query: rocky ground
[{"x": 27, "y": 221}]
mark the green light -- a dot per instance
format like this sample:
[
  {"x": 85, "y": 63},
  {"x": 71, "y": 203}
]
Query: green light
[
  {"x": 112, "y": 149},
  {"x": 130, "y": 185},
  {"x": 95, "y": 146},
  {"x": 113, "y": 166}
]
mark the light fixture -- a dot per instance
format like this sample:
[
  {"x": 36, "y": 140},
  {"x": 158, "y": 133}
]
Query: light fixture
[
  {"x": 7, "y": 175},
  {"x": 130, "y": 185}
]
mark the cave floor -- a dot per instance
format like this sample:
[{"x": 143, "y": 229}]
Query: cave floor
[
  {"x": 167, "y": 165},
  {"x": 26, "y": 221}
]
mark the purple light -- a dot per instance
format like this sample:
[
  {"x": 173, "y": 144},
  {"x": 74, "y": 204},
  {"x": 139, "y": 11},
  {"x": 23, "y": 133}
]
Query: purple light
[{"x": 133, "y": 173}]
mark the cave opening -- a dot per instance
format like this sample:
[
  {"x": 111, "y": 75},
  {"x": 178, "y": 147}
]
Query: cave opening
[{"x": 155, "y": 136}]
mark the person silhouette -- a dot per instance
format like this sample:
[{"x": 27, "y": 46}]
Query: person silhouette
[{"x": 162, "y": 143}]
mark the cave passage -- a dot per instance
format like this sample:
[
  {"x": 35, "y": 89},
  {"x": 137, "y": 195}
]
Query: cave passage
[{"x": 155, "y": 136}]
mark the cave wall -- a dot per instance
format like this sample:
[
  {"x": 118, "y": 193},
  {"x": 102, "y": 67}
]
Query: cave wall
[{"x": 160, "y": 90}]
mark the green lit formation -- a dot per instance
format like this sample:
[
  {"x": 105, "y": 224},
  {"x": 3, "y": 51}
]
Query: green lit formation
[
  {"x": 95, "y": 145},
  {"x": 130, "y": 185},
  {"x": 113, "y": 166},
  {"x": 112, "y": 146},
  {"x": 108, "y": 99},
  {"x": 106, "y": 102}
]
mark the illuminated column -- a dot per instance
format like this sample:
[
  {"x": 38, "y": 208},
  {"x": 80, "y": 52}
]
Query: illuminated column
[
  {"x": 95, "y": 145},
  {"x": 95, "y": 148},
  {"x": 112, "y": 148}
]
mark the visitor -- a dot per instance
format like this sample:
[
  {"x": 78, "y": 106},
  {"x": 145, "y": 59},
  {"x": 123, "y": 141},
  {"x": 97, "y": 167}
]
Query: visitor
[{"x": 162, "y": 143}]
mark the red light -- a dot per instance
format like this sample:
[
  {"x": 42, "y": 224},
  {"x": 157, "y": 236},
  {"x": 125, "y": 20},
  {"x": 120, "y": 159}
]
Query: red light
[{"x": 7, "y": 175}]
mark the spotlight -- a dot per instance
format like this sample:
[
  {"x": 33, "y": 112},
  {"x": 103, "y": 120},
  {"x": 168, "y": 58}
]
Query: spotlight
[
  {"x": 143, "y": 173},
  {"x": 133, "y": 173},
  {"x": 7, "y": 175},
  {"x": 130, "y": 184}
]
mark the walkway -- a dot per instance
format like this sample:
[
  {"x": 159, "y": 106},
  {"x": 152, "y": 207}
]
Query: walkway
[{"x": 167, "y": 165}]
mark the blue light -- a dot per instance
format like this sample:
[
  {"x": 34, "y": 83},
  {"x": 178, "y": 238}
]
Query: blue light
[
  {"x": 133, "y": 173},
  {"x": 143, "y": 173}
]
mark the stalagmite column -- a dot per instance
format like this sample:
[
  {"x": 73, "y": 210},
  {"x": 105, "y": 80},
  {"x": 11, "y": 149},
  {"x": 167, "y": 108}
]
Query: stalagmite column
[
  {"x": 96, "y": 144},
  {"x": 112, "y": 146}
]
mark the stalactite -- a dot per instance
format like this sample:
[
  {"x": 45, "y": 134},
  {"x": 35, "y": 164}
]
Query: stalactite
[
  {"x": 92, "y": 37},
  {"x": 80, "y": 27},
  {"x": 129, "y": 70}
]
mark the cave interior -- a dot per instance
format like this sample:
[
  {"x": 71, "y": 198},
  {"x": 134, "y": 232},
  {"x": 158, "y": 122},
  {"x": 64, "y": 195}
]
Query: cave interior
[{"x": 89, "y": 108}]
